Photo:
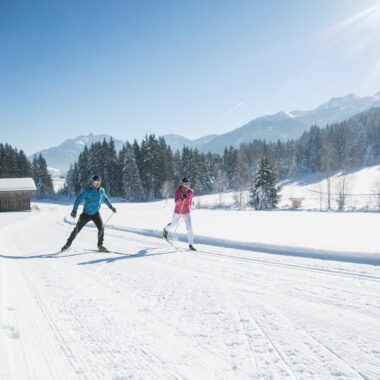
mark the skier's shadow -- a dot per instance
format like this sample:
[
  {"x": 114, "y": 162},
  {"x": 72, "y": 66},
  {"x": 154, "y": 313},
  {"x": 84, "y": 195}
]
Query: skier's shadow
[{"x": 124, "y": 256}]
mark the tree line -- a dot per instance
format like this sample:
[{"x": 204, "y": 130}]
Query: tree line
[
  {"x": 151, "y": 170},
  {"x": 140, "y": 172},
  {"x": 340, "y": 146}
]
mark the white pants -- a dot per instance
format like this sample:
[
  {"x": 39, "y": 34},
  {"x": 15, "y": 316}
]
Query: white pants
[{"x": 174, "y": 223}]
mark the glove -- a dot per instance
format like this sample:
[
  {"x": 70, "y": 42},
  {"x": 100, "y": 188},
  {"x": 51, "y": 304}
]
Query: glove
[
  {"x": 113, "y": 209},
  {"x": 183, "y": 196},
  {"x": 73, "y": 214}
]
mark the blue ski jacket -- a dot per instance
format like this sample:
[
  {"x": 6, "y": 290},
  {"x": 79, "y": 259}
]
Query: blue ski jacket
[{"x": 92, "y": 200}]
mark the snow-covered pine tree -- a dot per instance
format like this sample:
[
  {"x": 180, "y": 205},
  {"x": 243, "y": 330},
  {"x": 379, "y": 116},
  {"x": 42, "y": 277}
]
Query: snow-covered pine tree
[
  {"x": 48, "y": 182},
  {"x": 229, "y": 162},
  {"x": 264, "y": 193},
  {"x": 39, "y": 193},
  {"x": 279, "y": 154},
  {"x": 176, "y": 168},
  {"x": 9, "y": 161},
  {"x": 13, "y": 163},
  {"x": 213, "y": 162},
  {"x": 111, "y": 168},
  {"x": 83, "y": 166},
  {"x": 150, "y": 167},
  {"x": 73, "y": 181},
  {"x": 166, "y": 165},
  {"x": 187, "y": 163},
  {"x": 132, "y": 185},
  {"x": 202, "y": 180},
  {"x": 157, "y": 166},
  {"x": 95, "y": 159},
  {"x": 145, "y": 158},
  {"x": 24, "y": 166},
  {"x": 314, "y": 148},
  {"x": 137, "y": 153},
  {"x": 105, "y": 164},
  {"x": 42, "y": 178}
]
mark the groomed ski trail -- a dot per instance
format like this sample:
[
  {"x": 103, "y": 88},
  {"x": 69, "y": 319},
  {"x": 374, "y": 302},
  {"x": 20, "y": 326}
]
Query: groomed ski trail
[{"x": 156, "y": 312}]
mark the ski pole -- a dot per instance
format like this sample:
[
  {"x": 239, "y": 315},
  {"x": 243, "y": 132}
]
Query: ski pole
[
  {"x": 104, "y": 224},
  {"x": 108, "y": 220},
  {"x": 68, "y": 229}
]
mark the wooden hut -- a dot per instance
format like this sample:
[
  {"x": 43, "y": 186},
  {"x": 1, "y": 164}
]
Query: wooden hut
[
  {"x": 296, "y": 202},
  {"x": 15, "y": 193}
]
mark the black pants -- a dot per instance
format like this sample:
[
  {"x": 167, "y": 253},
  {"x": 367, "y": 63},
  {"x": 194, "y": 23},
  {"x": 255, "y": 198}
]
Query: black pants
[{"x": 83, "y": 220}]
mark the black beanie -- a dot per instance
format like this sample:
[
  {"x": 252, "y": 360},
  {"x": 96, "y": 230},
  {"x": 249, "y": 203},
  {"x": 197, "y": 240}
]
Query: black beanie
[{"x": 95, "y": 178}]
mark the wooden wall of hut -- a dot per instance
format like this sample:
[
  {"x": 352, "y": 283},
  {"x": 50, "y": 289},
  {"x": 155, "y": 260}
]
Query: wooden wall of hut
[{"x": 15, "y": 200}]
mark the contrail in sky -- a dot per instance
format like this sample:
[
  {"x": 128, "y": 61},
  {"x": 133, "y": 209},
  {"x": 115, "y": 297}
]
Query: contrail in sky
[{"x": 232, "y": 110}]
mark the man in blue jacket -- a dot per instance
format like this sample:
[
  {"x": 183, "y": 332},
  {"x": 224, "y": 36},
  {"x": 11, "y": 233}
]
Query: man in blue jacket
[{"x": 92, "y": 197}]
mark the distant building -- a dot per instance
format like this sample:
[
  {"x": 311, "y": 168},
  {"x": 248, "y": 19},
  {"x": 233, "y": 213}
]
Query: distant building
[
  {"x": 296, "y": 202},
  {"x": 15, "y": 193}
]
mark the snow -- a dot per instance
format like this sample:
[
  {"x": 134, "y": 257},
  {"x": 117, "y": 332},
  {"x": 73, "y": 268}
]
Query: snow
[
  {"x": 17, "y": 184},
  {"x": 363, "y": 192},
  {"x": 281, "y": 115},
  {"x": 54, "y": 171},
  {"x": 255, "y": 302},
  {"x": 363, "y": 189},
  {"x": 288, "y": 114},
  {"x": 58, "y": 183}
]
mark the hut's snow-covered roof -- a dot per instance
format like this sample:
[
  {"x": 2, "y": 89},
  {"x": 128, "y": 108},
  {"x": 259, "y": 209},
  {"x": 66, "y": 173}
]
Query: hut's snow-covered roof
[{"x": 17, "y": 184}]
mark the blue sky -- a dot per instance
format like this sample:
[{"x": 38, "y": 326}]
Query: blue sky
[{"x": 128, "y": 68}]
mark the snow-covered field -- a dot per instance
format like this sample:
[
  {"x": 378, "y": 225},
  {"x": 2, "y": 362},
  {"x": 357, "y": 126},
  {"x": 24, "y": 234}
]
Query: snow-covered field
[
  {"x": 362, "y": 188},
  {"x": 269, "y": 295},
  {"x": 58, "y": 183}
]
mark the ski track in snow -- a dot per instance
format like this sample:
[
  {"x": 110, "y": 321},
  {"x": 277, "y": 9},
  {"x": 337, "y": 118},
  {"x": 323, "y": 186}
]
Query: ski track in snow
[{"x": 160, "y": 313}]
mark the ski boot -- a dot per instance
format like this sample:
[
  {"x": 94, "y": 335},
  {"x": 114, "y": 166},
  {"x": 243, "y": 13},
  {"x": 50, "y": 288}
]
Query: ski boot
[
  {"x": 102, "y": 248},
  {"x": 65, "y": 247},
  {"x": 192, "y": 248}
]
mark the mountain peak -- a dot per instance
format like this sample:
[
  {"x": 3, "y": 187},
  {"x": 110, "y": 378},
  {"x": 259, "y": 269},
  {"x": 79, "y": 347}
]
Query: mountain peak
[
  {"x": 279, "y": 116},
  {"x": 337, "y": 102},
  {"x": 351, "y": 96},
  {"x": 63, "y": 155}
]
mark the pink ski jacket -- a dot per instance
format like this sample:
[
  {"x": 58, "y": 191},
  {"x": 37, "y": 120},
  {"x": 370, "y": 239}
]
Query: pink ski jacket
[{"x": 184, "y": 205}]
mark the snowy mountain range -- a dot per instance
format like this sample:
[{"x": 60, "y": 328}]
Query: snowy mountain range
[
  {"x": 60, "y": 157},
  {"x": 281, "y": 125}
]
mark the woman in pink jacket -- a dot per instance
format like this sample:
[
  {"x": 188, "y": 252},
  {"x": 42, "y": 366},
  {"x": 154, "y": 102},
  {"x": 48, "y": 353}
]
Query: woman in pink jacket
[{"x": 183, "y": 200}]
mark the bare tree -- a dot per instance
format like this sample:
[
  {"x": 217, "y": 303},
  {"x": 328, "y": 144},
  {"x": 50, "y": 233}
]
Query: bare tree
[
  {"x": 328, "y": 159},
  {"x": 167, "y": 190},
  {"x": 220, "y": 184},
  {"x": 242, "y": 179},
  {"x": 376, "y": 189},
  {"x": 341, "y": 187},
  {"x": 319, "y": 188}
]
